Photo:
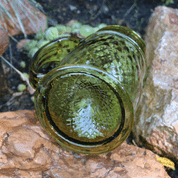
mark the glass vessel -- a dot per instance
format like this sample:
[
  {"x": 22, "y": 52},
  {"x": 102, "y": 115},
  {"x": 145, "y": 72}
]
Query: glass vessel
[{"x": 87, "y": 90}]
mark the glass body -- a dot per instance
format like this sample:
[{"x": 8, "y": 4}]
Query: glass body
[{"x": 87, "y": 90}]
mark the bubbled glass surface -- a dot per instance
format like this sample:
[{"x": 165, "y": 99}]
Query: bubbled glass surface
[{"x": 89, "y": 111}]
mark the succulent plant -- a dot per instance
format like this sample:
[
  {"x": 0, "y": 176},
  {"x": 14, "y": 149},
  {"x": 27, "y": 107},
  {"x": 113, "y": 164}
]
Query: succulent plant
[
  {"x": 32, "y": 52},
  {"x": 68, "y": 30},
  {"x": 42, "y": 38},
  {"x": 22, "y": 64},
  {"x": 75, "y": 30},
  {"x": 61, "y": 28},
  {"x": 31, "y": 44},
  {"x": 40, "y": 35},
  {"x": 42, "y": 43},
  {"x": 102, "y": 25},
  {"x": 51, "y": 33},
  {"x": 64, "y": 35},
  {"x": 21, "y": 87},
  {"x": 76, "y": 25},
  {"x": 86, "y": 30},
  {"x": 32, "y": 99}
]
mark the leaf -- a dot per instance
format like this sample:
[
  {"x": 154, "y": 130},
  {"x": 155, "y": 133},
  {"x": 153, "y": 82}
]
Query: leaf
[{"x": 166, "y": 162}]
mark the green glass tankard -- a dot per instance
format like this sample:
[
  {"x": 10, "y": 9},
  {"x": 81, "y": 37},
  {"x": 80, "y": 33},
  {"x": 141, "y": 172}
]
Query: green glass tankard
[{"x": 87, "y": 90}]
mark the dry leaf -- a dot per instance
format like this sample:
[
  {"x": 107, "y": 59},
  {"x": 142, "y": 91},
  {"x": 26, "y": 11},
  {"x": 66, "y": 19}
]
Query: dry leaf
[{"x": 166, "y": 162}]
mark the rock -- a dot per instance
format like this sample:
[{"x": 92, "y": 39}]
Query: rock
[
  {"x": 156, "y": 121},
  {"x": 37, "y": 22},
  {"x": 27, "y": 151},
  {"x": 4, "y": 41},
  {"x": 2, "y": 79},
  {"x": 21, "y": 44},
  {"x": 72, "y": 8}
]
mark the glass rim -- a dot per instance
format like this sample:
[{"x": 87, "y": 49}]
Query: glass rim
[{"x": 110, "y": 143}]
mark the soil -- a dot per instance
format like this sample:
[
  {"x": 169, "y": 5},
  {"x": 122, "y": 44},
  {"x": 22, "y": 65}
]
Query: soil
[{"x": 134, "y": 14}]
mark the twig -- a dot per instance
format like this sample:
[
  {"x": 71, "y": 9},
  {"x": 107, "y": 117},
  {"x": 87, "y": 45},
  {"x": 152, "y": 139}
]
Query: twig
[
  {"x": 30, "y": 89},
  {"x": 133, "y": 141},
  {"x": 128, "y": 11},
  {"x": 98, "y": 13},
  {"x": 12, "y": 38},
  {"x": 10, "y": 101},
  {"x": 8, "y": 34}
]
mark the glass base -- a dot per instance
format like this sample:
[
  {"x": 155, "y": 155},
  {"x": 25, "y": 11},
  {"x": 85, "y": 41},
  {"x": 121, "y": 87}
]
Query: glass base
[{"x": 84, "y": 108}]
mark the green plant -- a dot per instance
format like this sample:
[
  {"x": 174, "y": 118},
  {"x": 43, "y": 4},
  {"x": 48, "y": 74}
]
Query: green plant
[
  {"x": 21, "y": 87},
  {"x": 167, "y": 2},
  {"x": 42, "y": 38},
  {"x": 24, "y": 77},
  {"x": 22, "y": 64},
  {"x": 139, "y": 24},
  {"x": 51, "y": 33}
]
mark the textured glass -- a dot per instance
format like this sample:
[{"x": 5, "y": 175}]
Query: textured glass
[{"x": 88, "y": 89}]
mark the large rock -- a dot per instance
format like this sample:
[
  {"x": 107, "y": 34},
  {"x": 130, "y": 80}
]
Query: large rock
[
  {"x": 27, "y": 151},
  {"x": 32, "y": 19},
  {"x": 4, "y": 42},
  {"x": 156, "y": 123}
]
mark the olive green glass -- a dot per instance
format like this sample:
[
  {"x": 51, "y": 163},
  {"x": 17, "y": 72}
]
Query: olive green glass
[{"x": 87, "y": 90}]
